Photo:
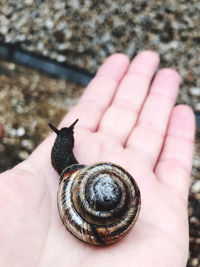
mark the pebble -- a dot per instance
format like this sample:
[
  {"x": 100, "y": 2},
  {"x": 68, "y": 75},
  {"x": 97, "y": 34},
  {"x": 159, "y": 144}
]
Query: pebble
[
  {"x": 23, "y": 154},
  {"x": 196, "y": 186},
  {"x": 195, "y": 262},
  {"x": 17, "y": 132},
  {"x": 49, "y": 23},
  {"x": 11, "y": 66},
  {"x": 28, "y": 144},
  {"x": 193, "y": 220},
  {"x": 195, "y": 91},
  {"x": 13, "y": 132},
  {"x": 197, "y": 107},
  {"x": 29, "y": 2},
  {"x": 20, "y": 131}
]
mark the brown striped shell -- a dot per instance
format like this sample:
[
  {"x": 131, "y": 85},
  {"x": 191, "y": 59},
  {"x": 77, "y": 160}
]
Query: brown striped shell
[
  {"x": 99, "y": 203},
  {"x": 98, "y": 220}
]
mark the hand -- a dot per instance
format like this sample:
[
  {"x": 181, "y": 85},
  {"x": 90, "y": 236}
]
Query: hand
[{"x": 128, "y": 119}]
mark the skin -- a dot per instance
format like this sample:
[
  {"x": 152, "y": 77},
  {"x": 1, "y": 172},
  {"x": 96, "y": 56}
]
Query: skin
[{"x": 126, "y": 116}]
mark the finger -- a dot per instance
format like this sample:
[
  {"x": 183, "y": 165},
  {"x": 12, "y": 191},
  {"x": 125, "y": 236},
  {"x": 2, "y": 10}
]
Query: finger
[
  {"x": 147, "y": 137},
  {"x": 99, "y": 93},
  {"x": 174, "y": 165},
  {"x": 121, "y": 116}
]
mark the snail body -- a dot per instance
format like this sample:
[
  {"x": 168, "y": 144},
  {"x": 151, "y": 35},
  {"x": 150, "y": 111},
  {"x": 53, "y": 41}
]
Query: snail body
[{"x": 98, "y": 203}]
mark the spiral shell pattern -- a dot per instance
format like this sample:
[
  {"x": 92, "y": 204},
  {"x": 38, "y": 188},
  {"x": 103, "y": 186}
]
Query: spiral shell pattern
[{"x": 99, "y": 203}]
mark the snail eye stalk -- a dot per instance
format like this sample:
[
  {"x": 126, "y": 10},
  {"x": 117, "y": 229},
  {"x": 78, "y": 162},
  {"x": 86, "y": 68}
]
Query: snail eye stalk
[{"x": 53, "y": 128}]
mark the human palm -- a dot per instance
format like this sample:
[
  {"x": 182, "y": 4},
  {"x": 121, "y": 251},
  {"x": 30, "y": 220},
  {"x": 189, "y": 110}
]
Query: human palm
[{"x": 127, "y": 119}]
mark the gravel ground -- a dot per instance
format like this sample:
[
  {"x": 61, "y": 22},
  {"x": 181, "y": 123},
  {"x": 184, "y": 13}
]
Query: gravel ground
[
  {"x": 28, "y": 101},
  {"x": 84, "y": 33}
]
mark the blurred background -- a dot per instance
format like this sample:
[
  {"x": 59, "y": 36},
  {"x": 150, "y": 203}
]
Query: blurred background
[{"x": 50, "y": 50}]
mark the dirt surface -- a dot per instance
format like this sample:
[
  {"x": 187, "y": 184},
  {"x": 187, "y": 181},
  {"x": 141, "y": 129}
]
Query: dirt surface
[
  {"x": 28, "y": 101},
  {"x": 84, "y": 33}
]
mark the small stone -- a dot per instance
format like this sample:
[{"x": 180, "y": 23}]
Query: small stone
[
  {"x": 195, "y": 91},
  {"x": 74, "y": 4},
  {"x": 23, "y": 154},
  {"x": 61, "y": 58},
  {"x": 4, "y": 30},
  {"x": 49, "y": 24},
  {"x": 28, "y": 144},
  {"x": 11, "y": 66},
  {"x": 29, "y": 2},
  {"x": 19, "y": 109},
  {"x": 40, "y": 46},
  {"x": 13, "y": 132},
  {"x": 105, "y": 37},
  {"x": 174, "y": 44},
  {"x": 197, "y": 107},
  {"x": 193, "y": 220},
  {"x": 196, "y": 186},
  {"x": 195, "y": 262},
  {"x": 20, "y": 131}
]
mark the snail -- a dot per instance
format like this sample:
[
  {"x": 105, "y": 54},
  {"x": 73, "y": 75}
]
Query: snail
[{"x": 98, "y": 203}]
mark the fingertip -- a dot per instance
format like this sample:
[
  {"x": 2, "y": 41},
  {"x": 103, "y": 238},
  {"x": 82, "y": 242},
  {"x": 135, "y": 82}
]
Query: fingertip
[
  {"x": 182, "y": 122},
  {"x": 118, "y": 56},
  {"x": 149, "y": 54},
  {"x": 114, "y": 66},
  {"x": 183, "y": 109},
  {"x": 166, "y": 82},
  {"x": 184, "y": 112},
  {"x": 170, "y": 73},
  {"x": 144, "y": 62}
]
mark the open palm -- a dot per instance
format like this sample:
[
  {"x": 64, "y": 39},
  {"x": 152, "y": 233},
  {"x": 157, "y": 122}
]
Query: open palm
[{"x": 125, "y": 117}]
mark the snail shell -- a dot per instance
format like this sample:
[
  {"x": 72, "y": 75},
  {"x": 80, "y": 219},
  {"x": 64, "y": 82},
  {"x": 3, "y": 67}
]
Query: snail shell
[{"x": 98, "y": 203}]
